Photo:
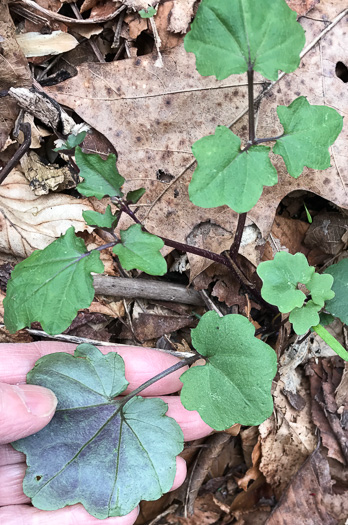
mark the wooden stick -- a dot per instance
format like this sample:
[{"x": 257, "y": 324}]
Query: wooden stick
[{"x": 146, "y": 289}]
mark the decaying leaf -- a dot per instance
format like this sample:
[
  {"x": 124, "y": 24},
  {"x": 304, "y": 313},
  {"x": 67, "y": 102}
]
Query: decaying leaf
[
  {"x": 29, "y": 222},
  {"x": 287, "y": 438},
  {"x": 302, "y": 6},
  {"x": 14, "y": 72},
  {"x": 325, "y": 377},
  {"x": 35, "y": 44},
  {"x": 303, "y": 500},
  {"x": 44, "y": 177}
]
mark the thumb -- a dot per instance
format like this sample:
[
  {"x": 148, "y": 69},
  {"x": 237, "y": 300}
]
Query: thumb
[{"x": 24, "y": 410}]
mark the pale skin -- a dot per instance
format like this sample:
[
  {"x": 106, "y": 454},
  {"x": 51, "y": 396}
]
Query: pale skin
[{"x": 26, "y": 409}]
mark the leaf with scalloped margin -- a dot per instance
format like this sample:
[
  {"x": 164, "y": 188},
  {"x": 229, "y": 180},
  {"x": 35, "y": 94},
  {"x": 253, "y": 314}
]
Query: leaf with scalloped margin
[
  {"x": 226, "y": 175},
  {"x": 227, "y": 36},
  {"x": 102, "y": 220},
  {"x": 280, "y": 279},
  {"x": 141, "y": 250},
  {"x": 51, "y": 285},
  {"x": 308, "y": 132},
  {"x": 338, "y": 306},
  {"x": 101, "y": 176},
  {"x": 93, "y": 451},
  {"x": 234, "y": 386},
  {"x": 305, "y": 317}
]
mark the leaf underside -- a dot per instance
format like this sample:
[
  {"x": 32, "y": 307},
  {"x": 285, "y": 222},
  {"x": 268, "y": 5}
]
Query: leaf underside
[
  {"x": 101, "y": 177},
  {"x": 234, "y": 386},
  {"x": 225, "y": 175},
  {"x": 51, "y": 285},
  {"x": 308, "y": 132},
  {"x": 93, "y": 452},
  {"x": 228, "y": 36},
  {"x": 141, "y": 250}
]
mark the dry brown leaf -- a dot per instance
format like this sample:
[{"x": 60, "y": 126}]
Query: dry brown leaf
[
  {"x": 325, "y": 376},
  {"x": 302, "y": 6},
  {"x": 29, "y": 222},
  {"x": 181, "y": 15},
  {"x": 44, "y": 178},
  {"x": 157, "y": 137},
  {"x": 287, "y": 439},
  {"x": 303, "y": 500},
  {"x": 14, "y": 72},
  {"x": 35, "y": 44},
  {"x": 286, "y": 234},
  {"x": 326, "y": 231},
  {"x": 136, "y": 25},
  {"x": 168, "y": 38},
  {"x": 253, "y": 473}
]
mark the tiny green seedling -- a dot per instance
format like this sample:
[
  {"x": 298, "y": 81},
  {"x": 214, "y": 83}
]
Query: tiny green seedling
[{"x": 234, "y": 385}]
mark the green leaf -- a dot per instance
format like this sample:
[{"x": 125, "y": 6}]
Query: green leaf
[
  {"x": 320, "y": 288},
  {"x": 308, "y": 132},
  {"x": 338, "y": 306},
  {"x": 51, "y": 285},
  {"x": 228, "y": 36},
  {"x": 72, "y": 141},
  {"x": 226, "y": 175},
  {"x": 326, "y": 319},
  {"x": 94, "y": 451},
  {"x": 141, "y": 250},
  {"x": 147, "y": 13},
  {"x": 134, "y": 196},
  {"x": 305, "y": 317},
  {"x": 280, "y": 279},
  {"x": 101, "y": 176},
  {"x": 234, "y": 386},
  {"x": 102, "y": 220}
]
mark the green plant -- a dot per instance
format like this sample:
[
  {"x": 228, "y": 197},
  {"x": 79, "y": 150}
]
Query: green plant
[{"x": 52, "y": 284}]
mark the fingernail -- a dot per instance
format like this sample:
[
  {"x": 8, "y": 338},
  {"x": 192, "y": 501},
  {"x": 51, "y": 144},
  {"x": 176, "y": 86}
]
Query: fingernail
[{"x": 38, "y": 400}]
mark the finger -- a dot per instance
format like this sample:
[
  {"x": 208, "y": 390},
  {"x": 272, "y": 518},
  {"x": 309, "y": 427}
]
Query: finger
[
  {"x": 11, "y": 488},
  {"x": 180, "y": 475},
  {"x": 141, "y": 364},
  {"x": 190, "y": 421},
  {"x": 24, "y": 410},
  {"x": 74, "y": 515},
  {"x": 10, "y": 456}
]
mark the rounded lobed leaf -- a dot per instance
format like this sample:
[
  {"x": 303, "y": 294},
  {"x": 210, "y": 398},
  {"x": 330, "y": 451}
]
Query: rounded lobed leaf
[
  {"x": 308, "y": 132},
  {"x": 280, "y": 279},
  {"x": 231, "y": 36},
  {"x": 304, "y": 318},
  {"x": 226, "y": 175},
  {"x": 141, "y": 250},
  {"x": 338, "y": 306},
  {"x": 234, "y": 386},
  {"x": 102, "y": 220},
  {"x": 101, "y": 177},
  {"x": 94, "y": 451},
  {"x": 51, "y": 285}
]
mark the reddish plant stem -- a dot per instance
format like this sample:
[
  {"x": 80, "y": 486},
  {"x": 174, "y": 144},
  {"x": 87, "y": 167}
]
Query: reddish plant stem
[
  {"x": 215, "y": 257},
  {"x": 238, "y": 236},
  {"x": 184, "y": 362},
  {"x": 251, "y": 104}
]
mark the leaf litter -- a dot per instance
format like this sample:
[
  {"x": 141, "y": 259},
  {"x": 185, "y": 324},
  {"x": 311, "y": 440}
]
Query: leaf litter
[{"x": 150, "y": 108}]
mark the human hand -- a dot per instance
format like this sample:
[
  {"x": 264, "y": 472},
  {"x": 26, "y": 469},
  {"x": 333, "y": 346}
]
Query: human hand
[{"x": 26, "y": 409}]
